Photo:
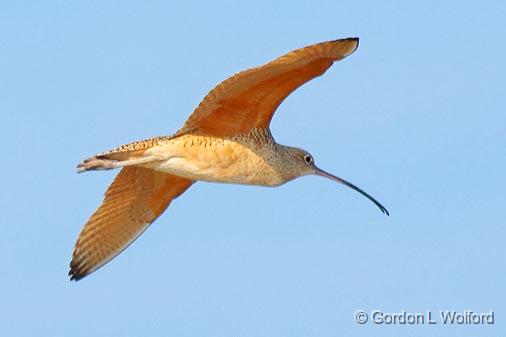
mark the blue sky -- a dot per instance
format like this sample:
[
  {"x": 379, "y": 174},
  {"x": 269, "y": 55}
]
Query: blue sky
[{"x": 416, "y": 117}]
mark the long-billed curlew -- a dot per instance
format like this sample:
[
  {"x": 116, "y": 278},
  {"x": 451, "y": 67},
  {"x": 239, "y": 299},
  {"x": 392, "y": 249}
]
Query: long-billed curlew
[{"x": 226, "y": 139}]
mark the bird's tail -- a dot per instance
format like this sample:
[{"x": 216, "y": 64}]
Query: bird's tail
[
  {"x": 124, "y": 155},
  {"x": 97, "y": 162}
]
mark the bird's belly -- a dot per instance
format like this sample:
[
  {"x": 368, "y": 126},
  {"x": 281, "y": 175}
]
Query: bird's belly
[{"x": 219, "y": 161}]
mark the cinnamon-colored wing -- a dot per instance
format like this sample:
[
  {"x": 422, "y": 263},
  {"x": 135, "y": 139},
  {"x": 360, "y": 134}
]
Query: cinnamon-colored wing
[
  {"x": 249, "y": 99},
  {"x": 133, "y": 201}
]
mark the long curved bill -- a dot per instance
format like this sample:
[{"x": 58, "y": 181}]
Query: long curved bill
[{"x": 324, "y": 174}]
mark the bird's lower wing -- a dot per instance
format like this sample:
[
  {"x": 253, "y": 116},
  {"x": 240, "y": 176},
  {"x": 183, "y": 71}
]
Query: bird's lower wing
[{"x": 133, "y": 201}]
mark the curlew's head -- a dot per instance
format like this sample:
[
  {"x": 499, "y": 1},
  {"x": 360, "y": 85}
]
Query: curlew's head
[{"x": 298, "y": 163}]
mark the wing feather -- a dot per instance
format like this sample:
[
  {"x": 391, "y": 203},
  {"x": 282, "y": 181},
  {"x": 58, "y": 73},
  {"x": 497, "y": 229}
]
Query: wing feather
[
  {"x": 249, "y": 99},
  {"x": 133, "y": 201}
]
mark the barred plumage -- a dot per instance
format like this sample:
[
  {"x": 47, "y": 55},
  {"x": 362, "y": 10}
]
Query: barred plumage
[{"x": 226, "y": 139}]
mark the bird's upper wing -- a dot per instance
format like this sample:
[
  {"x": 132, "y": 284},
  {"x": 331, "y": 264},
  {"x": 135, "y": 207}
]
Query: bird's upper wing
[
  {"x": 249, "y": 99},
  {"x": 133, "y": 201}
]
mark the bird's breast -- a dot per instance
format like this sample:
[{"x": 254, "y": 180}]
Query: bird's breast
[{"x": 217, "y": 160}]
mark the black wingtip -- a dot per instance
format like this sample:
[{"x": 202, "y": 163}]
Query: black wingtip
[
  {"x": 76, "y": 273},
  {"x": 354, "y": 39},
  {"x": 76, "y": 276},
  {"x": 73, "y": 275},
  {"x": 357, "y": 40}
]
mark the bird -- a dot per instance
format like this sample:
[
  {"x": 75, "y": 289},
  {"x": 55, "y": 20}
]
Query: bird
[{"x": 226, "y": 140}]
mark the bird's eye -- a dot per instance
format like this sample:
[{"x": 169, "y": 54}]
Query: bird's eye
[{"x": 308, "y": 159}]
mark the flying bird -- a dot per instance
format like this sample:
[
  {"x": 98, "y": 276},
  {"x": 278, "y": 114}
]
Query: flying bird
[{"x": 226, "y": 139}]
